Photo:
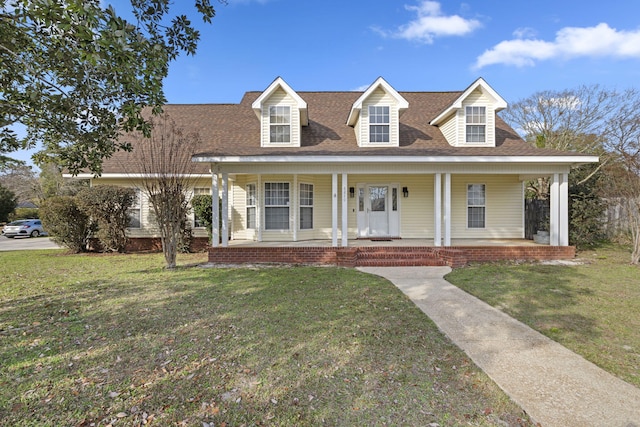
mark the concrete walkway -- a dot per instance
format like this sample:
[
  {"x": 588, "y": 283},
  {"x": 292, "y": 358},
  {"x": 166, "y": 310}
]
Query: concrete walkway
[{"x": 555, "y": 386}]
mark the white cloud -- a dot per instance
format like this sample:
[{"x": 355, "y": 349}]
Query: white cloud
[
  {"x": 361, "y": 88},
  {"x": 431, "y": 23},
  {"x": 570, "y": 42},
  {"x": 524, "y": 33}
]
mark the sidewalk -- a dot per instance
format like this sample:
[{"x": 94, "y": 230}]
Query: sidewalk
[{"x": 555, "y": 386}]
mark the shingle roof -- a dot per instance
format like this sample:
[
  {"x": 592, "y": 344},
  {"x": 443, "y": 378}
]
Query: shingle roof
[{"x": 234, "y": 130}]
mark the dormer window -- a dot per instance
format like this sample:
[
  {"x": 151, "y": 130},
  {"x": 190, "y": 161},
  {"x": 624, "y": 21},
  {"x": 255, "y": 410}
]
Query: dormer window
[
  {"x": 378, "y": 123},
  {"x": 476, "y": 118},
  {"x": 280, "y": 124}
]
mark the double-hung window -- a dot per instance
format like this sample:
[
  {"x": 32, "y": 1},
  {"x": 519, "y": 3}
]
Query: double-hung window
[
  {"x": 378, "y": 123},
  {"x": 197, "y": 221},
  {"x": 306, "y": 206},
  {"x": 276, "y": 206},
  {"x": 134, "y": 211},
  {"x": 476, "y": 121},
  {"x": 476, "y": 206},
  {"x": 280, "y": 124},
  {"x": 252, "y": 201}
]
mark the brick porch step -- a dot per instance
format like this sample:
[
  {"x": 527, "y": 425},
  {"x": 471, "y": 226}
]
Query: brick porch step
[{"x": 397, "y": 256}]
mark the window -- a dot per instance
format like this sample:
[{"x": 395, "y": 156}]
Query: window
[
  {"x": 476, "y": 205},
  {"x": 306, "y": 206},
  {"x": 197, "y": 191},
  {"x": 134, "y": 212},
  {"x": 252, "y": 201},
  {"x": 280, "y": 123},
  {"x": 276, "y": 206},
  {"x": 476, "y": 124},
  {"x": 378, "y": 123}
]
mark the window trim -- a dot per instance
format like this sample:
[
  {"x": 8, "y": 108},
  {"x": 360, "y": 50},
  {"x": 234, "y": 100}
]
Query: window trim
[
  {"x": 251, "y": 206},
  {"x": 483, "y": 206},
  {"x": 473, "y": 120},
  {"x": 379, "y": 124},
  {"x": 300, "y": 205},
  {"x": 266, "y": 207},
  {"x": 286, "y": 123}
]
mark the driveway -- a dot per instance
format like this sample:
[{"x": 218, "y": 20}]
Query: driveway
[{"x": 26, "y": 243}]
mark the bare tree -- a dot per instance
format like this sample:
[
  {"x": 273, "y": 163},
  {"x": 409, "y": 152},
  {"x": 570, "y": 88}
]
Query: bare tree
[{"x": 164, "y": 162}]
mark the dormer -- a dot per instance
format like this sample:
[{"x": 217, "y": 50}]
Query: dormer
[
  {"x": 471, "y": 120},
  {"x": 282, "y": 113},
  {"x": 375, "y": 116}
]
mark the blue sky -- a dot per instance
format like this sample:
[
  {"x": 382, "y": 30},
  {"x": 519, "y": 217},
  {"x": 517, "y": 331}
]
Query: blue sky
[{"x": 416, "y": 45}]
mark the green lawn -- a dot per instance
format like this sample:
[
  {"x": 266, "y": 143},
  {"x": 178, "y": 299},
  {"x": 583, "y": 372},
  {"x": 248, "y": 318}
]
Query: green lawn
[
  {"x": 116, "y": 339},
  {"x": 592, "y": 309}
]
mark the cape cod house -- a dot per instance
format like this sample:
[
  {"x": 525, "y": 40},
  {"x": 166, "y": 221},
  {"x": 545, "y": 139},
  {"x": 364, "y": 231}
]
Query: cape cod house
[{"x": 378, "y": 177}]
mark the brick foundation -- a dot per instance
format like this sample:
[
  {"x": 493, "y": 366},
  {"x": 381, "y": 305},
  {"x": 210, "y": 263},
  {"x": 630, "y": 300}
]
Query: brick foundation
[{"x": 378, "y": 256}]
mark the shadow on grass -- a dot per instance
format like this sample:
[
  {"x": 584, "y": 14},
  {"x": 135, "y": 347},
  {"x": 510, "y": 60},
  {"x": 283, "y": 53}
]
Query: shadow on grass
[
  {"x": 541, "y": 296},
  {"x": 278, "y": 346}
]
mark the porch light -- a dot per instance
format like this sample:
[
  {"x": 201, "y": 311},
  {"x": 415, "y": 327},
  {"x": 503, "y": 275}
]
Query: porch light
[
  {"x": 405, "y": 191},
  {"x": 352, "y": 192}
]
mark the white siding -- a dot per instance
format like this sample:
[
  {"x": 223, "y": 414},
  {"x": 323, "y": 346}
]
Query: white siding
[
  {"x": 280, "y": 97},
  {"x": 450, "y": 129},
  {"x": 504, "y": 205},
  {"x": 378, "y": 98}
]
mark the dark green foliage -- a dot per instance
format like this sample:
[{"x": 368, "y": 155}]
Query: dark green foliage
[
  {"x": 202, "y": 210},
  {"x": 8, "y": 203},
  {"x": 586, "y": 207},
  {"x": 108, "y": 206},
  {"x": 74, "y": 73},
  {"x": 66, "y": 223},
  {"x": 24, "y": 213}
]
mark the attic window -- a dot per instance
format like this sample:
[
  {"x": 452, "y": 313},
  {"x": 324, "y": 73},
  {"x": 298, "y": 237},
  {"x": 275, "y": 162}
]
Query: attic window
[
  {"x": 476, "y": 124},
  {"x": 378, "y": 123},
  {"x": 280, "y": 124}
]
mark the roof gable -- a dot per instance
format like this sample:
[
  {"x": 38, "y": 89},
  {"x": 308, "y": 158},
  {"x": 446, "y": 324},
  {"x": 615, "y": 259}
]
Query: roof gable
[
  {"x": 402, "y": 103},
  {"x": 498, "y": 102},
  {"x": 279, "y": 83}
]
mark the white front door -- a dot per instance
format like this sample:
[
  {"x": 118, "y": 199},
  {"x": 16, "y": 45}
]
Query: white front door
[
  {"x": 378, "y": 210},
  {"x": 378, "y": 213}
]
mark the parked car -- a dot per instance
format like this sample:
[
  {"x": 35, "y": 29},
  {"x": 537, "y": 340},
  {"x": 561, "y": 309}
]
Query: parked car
[{"x": 23, "y": 227}]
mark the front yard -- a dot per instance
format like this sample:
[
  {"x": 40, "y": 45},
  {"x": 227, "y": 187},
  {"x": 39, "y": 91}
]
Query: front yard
[
  {"x": 90, "y": 340},
  {"x": 592, "y": 309}
]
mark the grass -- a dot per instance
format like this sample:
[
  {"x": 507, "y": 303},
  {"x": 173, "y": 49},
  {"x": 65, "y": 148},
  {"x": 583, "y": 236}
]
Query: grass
[
  {"x": 117, "y": 340},
  {"x": 592, "y": 309}
]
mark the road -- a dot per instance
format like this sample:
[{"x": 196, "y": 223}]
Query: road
[{"x": 26, "y": 243}]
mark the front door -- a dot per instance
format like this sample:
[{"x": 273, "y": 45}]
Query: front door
[
  {"x": 378, "y": 214},
  {"x": 378, "y": 210}
]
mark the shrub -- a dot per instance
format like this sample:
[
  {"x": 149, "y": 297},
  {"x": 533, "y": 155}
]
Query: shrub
[
  {"x": 108, "y": 206},
  {"x": 203, "y": 211},
  {"x": 24, "y": 213},
  {"x": 66, "y": 223},
  {"x": 8, "y": 203},
  {"x": 586, "y": 207}
]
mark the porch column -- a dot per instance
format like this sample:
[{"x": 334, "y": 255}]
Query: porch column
[
  {"x": 294, "y": 204},
  {"x": 437, "y": 210},
  {"x": 554, "y": 211},
  {"x": 564, "y": 210},
  {"x": 215, "y": 210},
  {"x": 447, "y": 209},
  {"x": 334, "y": 210},
  {"x": 345, "y": 228},
  {"x": 259, "y": 205},
  {"x": 225, "y": 209}
]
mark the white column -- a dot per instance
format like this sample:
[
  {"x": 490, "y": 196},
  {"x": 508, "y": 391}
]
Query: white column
[
  {"x": 334, "y": 210},
  {"x": 225, "y": 209},
  {"x": 345, "y": 228},
  {"x": 563, "y": 237},
  {"x": 215, "y": 211},
  {"x": 554, "y": 214},
  {"x": 295, "y": 198},
  {"x": 259, "y": 205},
  {"x": 437, "y": 210},
  {"x": 447, "y": 209}
]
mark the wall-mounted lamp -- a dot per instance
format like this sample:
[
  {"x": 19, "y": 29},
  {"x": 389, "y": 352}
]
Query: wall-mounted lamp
[
  {"x": 352, "y": 192},
  {"x": 405, "y": 191}
]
